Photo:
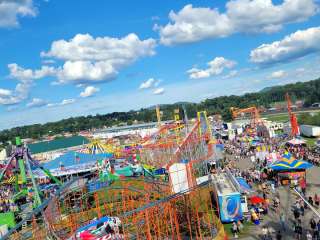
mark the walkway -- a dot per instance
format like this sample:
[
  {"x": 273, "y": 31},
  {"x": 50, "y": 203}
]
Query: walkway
[{"x": 287, "y": 200}]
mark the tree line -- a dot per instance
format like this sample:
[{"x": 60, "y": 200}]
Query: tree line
[{"x": 307, "y": 91}]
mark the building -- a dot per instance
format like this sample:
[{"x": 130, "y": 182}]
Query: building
[
  {"x": 143, "y": 130},
  {"x": 48, "y": 150}
]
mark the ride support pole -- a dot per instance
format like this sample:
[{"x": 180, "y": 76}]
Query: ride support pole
[{"x": 22, "y": 171}]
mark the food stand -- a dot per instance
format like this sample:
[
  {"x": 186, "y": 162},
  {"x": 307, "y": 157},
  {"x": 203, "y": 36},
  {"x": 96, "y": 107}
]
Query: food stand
[{"x": 289, "y": 168}]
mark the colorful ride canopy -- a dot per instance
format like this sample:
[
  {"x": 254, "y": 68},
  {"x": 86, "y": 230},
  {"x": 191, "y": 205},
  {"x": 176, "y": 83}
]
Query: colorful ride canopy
[{"x": 288, "y": 162}]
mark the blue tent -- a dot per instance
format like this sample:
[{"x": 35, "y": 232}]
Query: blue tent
[
  {"x": 72, "y": 158},
  {"x": 290, "y": 164}
]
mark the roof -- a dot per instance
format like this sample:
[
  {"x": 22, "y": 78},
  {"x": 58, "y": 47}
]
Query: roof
[
  {"x": 290, "y": 164},
  {"x": 130, "y": 127},
  {"x": 75, "y": 158},
  {"x": 48, "y": 146},
  {"x": 223, "y": 184},
  {"x": 73, "y": 163}
]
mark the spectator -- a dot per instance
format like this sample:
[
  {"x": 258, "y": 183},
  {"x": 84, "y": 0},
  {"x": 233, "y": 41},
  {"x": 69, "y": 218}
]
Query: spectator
[
  {"x": 279, "y": 235},
  {"x": 316, "y": 200},
  {"x": 313, "y": 224}
]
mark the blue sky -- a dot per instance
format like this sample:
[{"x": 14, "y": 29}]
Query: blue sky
[{"x": 70, "y": 58}]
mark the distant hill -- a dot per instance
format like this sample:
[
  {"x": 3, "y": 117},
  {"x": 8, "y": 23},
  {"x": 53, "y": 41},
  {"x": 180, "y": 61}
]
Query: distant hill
[
  {"x": 307, "y": 91},
  {"x": 266, "y": 89}
]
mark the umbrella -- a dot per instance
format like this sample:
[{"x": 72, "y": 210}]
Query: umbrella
[{"x": 256, "y": 199}]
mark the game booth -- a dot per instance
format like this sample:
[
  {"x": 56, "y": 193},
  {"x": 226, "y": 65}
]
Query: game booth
[{"x": 288, "y": 169}]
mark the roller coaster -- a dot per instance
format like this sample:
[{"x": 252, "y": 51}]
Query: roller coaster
[{"x": 163, "y": 202}]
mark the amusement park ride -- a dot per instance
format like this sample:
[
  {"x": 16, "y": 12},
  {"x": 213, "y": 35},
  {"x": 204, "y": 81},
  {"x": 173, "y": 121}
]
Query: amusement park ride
[
  {"x": 255, "y": 119},
  {"x": 292, "y": 117},
  {"x": 19, "y": 171},
  {"x": 129, "y": 207}
]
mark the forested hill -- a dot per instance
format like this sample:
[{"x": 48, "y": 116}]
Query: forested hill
[{"x": 307, "y": 91}]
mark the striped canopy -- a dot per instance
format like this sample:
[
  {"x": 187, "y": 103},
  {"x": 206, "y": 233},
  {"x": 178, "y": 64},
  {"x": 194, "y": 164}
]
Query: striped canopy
[{"x": 290, "y": 164}]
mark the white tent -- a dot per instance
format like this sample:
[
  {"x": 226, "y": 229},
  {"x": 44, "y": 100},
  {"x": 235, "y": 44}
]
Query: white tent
[{"x": 296, "y": 141}]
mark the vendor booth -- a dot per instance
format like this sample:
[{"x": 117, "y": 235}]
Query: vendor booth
[{"x": 290, "y": 169}]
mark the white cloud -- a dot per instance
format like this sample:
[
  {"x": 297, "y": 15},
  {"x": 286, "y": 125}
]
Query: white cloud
[
  {"x": 67, "y": 101},
  {"x": 295, "y": 45},
  {"x": 192, "y": 24},
  {"x": 36, "y": 102},
  {"x": 26, "y": 79},
  {"x": 62, "y": 103},
  {"x": 52, "y": 104},
  {"x": 11, "y": 10},
  {"x": 89, "y": 91},
  {"x": 86, "y": 59},
  {"x": 215, "y": 67},
  {"x": 158, "y": 91},
  {"x": 80, "y": 85},
  {"x": 89, "y": 59},
  {"x": 151, "y": 82},
  {"x": 278, "y": 74},
  {"x": 5, "y": 92},
  {"x": 23, "y": 74}
]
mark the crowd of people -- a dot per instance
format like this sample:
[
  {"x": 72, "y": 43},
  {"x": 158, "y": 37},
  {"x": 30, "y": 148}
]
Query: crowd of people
[
  {"x": 265, "y": 182},
  {"x": 6, "y": 202}
]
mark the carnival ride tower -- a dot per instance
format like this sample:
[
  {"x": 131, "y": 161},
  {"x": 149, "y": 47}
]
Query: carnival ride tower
[{"x": 295, "y": 131}]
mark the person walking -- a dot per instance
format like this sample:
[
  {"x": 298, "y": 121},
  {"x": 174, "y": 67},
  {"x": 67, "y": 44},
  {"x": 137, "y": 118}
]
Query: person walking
[
  {"x": 313, "y": 224},
  {"x": 279, "y": 235},
  {"x": 316, "y": 200},
  {"x": 296, "y": 214},
  {"x": 235, "y": 229},
  {"x": 264, "y": 233},
  {"x": 298, "y": 231},
  {"x": 318, "y": 225},
  {"x": 302, "y": 208},
  {"x": 283, "y": 221},
  {"x": 310, "y": 201}
]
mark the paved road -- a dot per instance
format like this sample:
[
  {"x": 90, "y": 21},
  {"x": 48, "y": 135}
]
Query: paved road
[{"x": 287, "y": 200}]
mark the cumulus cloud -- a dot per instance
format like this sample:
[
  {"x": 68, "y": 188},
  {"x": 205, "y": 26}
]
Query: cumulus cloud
[
  {"x": 215, "y": 67},
  {"x": 158, "y": 91},
  {"x": 5, "y": 92},
  {"x": 89, "y": 91},
  {"x": 85, "y": 60},
  {"x": 25, "y": 79},
  {"x": 151, "y": 82},
  {"x": 192, "y": 24},
  {"x": 23, "y": 74},
  {"x": 278, "y": 74},
  {"x": 295, "y": 45},
  {"x": 89, "y": 59},
  {"x": 36, "y": 102},
  {"x": 11, "y": 10}
]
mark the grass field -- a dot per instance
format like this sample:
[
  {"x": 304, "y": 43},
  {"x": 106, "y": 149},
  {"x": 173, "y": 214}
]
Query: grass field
[
  {"x": 311, "y": 142},
  {"x": 281, "y": 117}
]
